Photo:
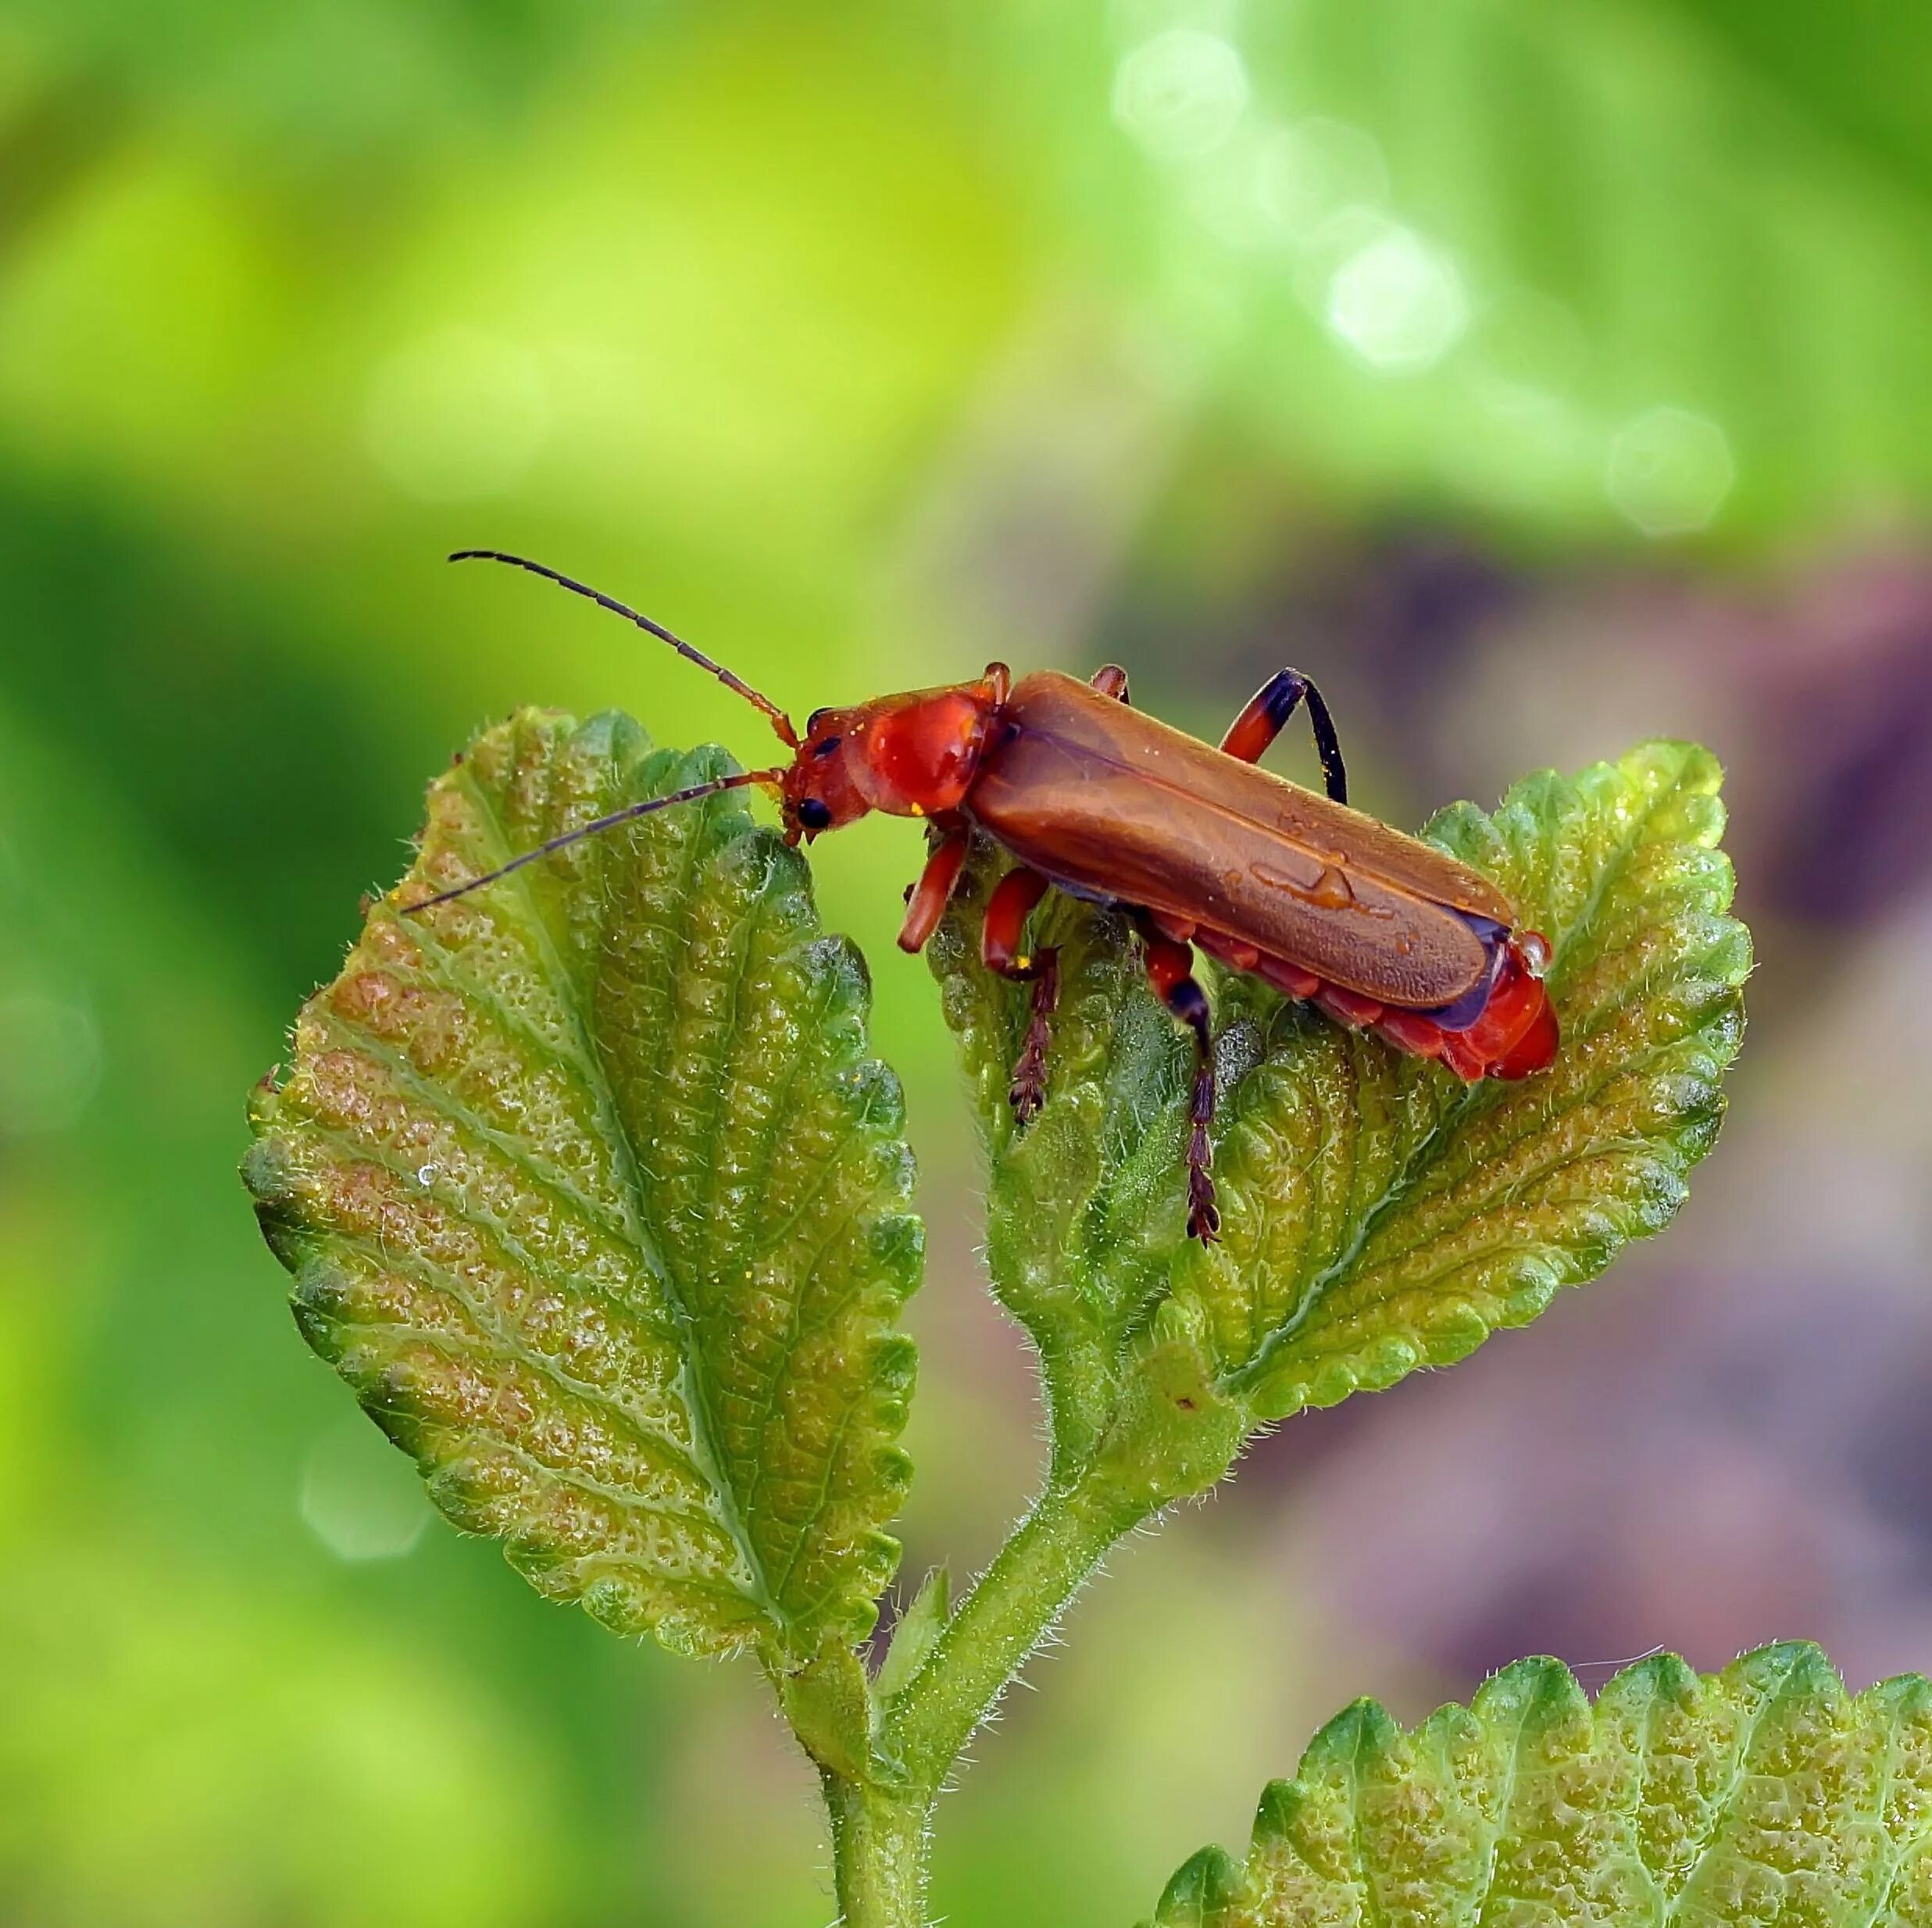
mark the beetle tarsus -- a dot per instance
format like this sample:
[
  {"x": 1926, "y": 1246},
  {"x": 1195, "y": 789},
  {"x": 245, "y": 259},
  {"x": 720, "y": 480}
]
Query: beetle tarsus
[
  {"x": 1170, "y": 973},
  {"x": 1028, "y": 1091},
  {"x": 1204, "y": 1215}
]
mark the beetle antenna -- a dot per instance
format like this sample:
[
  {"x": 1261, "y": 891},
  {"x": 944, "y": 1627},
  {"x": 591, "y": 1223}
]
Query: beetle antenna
[
  {"x": 780, "y": 721},
  {"x": 625, "y": 815}
]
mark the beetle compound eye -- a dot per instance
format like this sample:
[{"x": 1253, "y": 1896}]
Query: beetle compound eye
[
  {"x": 827, "y": 747},
  {"x": 814, "y": 815}
]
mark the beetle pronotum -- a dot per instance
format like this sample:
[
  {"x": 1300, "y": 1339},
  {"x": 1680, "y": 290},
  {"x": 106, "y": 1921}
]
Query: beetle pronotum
[{"x": 1197, "y": 844}]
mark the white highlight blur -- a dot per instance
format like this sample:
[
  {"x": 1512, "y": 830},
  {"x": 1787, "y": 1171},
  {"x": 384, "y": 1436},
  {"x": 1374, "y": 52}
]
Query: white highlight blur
[
  {"x": 1307, "y": 174},
  {"x": 1181, "y": 93},
  {"x": 1669, "y": 471},
  {"x": 1398, "y": 301},
  {"x": 360, "y": 1497}
]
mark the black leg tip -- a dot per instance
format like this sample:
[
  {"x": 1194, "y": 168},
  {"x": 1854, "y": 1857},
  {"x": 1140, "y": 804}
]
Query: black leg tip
[{"x": 1280, "y": 697}]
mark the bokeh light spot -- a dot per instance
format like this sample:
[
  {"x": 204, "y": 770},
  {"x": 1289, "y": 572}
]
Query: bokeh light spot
[
  {"x": 50, "y": 1062},
  {"x": 1399, "y": 302},
  {"x": 360, "y": 1497},
  {"x": 1309, "y": 172},
  {"x": 1181, "y": 94},
  {"x": 1669, "y": 471},
  {"x": 457, "y": 414}
]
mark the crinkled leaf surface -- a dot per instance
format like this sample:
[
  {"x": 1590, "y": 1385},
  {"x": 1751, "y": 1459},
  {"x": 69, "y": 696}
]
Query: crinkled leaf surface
[
  {"x": 1378, "y": 1214},
  {"x": 1765, "y": 1794},
  {"x": 591, "y": 1192}
]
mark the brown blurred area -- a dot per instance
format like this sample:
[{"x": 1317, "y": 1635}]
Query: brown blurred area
[{"x": 1729, "y": 1438}]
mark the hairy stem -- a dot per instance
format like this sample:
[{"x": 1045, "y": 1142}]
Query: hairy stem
[
  {"x": 1013, "y": 1605},
  {"x": 879, "y": 1842}
]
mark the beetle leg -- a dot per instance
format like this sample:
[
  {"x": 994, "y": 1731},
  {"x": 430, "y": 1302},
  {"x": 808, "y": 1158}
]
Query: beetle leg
[
  {"x": 926, "y": 901},
  {"x": 1170, "y": 972},
  {"x": 1000, "y": 938},
  {"x": 1111, "y": 680},
  {"x": 1269, "y": 710}
]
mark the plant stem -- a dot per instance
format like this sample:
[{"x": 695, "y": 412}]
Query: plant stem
[
  {"x": 878, "y": 1854},
  {"x": 1048, "y": 1557},
  {"x": 880, "y": 1835}
]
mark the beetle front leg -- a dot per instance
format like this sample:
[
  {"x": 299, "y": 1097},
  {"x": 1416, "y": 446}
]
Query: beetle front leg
[
  {"x": 1002, "y": 937},
  {"x": 926, "y": 901},
  {"x": 1268, "y": 709},
  {"x": 1170, "y": 972}
]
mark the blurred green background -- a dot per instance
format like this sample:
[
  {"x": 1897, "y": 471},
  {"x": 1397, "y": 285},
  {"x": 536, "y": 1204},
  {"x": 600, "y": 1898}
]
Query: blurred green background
[{"x": 1538, "y": 375}]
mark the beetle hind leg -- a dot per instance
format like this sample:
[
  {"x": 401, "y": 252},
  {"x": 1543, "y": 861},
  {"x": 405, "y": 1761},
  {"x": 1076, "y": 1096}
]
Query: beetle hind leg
[
  {"x": 1111, "y": 680},
  {"x": 1266, "y": 716},
  {"x": 1002, "y": 941},
  {"x": 1170, "y": 972}
]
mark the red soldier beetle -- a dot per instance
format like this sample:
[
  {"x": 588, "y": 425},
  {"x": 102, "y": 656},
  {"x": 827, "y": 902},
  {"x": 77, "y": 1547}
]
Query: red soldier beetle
[{"x": 1200, "y": 847}]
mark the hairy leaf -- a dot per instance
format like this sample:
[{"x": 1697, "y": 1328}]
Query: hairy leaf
[
  {"x": 592, "y": 1194},
  {"x": 1084, "y": 1208},
  {"x": 1378, "y": 1214},
  {"x": 1762, "y": 1794},
  {"x": 1382, "y": 1216}
]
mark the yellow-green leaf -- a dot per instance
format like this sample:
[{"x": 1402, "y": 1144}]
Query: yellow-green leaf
[
  {"x": 1378, "y": 1215},
  {"x": 591, "y": 1193},
  {"x": 1382, "y": 1216},
  {"x": 1765, "y": 1794}
]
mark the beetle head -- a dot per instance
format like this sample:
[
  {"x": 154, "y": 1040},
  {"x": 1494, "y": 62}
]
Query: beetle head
[
  {"x": 818, "y": 792},
  {"x": 911, "y": 754}
]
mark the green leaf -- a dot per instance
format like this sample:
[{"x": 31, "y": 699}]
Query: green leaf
[
  {"x": 1384, "y": 1216},
  {"x": 1765, "y": 1793},
  {"x": 591, "y": 1192},
  {"x": 1378, "y": 1215},
  {"x": 1082, "y": 1207}
]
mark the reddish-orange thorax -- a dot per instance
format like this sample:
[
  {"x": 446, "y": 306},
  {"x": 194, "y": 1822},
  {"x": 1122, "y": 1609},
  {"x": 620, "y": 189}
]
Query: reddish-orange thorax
[{"x": 911, "y": 754}]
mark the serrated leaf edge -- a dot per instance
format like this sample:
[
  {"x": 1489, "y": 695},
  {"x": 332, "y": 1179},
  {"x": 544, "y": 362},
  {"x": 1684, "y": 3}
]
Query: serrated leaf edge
[
  {"x": 1212, "y": 1889},
  {"x": 880, "y": 1390},
  {"x": 1696, "y": 771}
]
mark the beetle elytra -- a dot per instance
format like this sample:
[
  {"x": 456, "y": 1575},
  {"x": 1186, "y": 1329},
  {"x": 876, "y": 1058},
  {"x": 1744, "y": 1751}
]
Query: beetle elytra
[{"x": 1200, "y": 847}]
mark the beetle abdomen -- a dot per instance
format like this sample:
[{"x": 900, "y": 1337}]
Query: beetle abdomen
[{"x": 1113, "y": 803}]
